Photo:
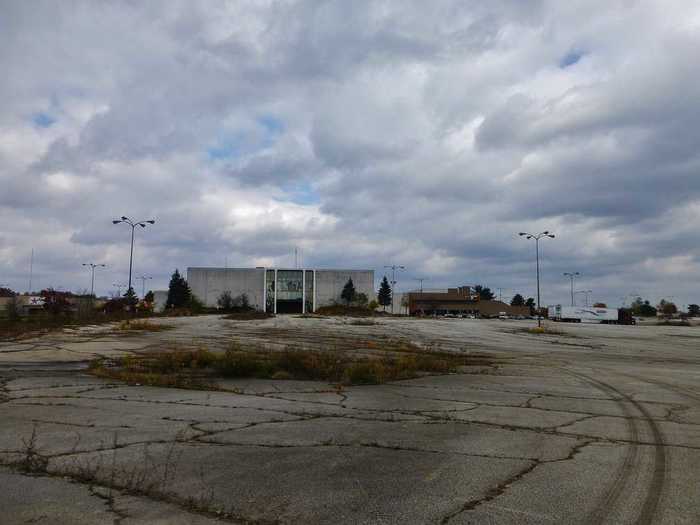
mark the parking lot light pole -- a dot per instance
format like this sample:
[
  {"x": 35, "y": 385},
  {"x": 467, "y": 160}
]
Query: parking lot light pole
[
  {"x": 572, "y": 276},
  {"x": 133, "y": 224},
  {"x": 537, "y": 238},
  {"x": 143, "y": 280},
  {"x": 585, "y": 292},
  {"x": 92, "y": 281},
  {"x": 394, "y": 267}
]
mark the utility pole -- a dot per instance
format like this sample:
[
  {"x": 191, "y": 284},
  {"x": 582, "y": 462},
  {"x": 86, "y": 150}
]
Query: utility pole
[
  {"x": 143, "y": 280},
  {"x": 536, "y": 238},
  {"x": 394, "y": 267},
  {"x": 92, "y": 281},
  {"x": 421, "y": 279}
]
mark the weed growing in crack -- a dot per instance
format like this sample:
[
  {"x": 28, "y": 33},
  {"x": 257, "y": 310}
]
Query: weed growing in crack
[{"x": 32, "y": 461}]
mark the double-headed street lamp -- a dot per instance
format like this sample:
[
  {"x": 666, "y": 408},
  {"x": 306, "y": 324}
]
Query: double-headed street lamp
[
  {"x": 586, "y": 292},
  {"x": 572, "y": 276},
  {"x": 133, "y": 224},
  {"x": 119, "y": 287},
  {"x": 143, "y": 280},
  {"x": 92, "y": 281},
  {"x": 537, "y": 238}
]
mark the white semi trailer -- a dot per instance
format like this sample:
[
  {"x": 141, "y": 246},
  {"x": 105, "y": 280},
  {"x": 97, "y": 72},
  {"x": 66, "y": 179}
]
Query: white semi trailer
[{"x": 583, "y": 314}]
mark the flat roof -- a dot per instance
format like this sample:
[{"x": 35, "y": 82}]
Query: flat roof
[{"x": 280, "y": 268}]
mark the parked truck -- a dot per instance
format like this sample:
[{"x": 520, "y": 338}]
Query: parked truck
[{"x": 586, "y": 314}]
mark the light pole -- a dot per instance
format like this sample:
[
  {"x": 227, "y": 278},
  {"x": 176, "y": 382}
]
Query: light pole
[
  {"x": 586, "y": 292},
  {"x": 420, "y": 280},
  {"x": 394, "y": 267},
  {"x": 119, "y": 287},
  {"x": 537, "y": 238},
  {"x": 127, "y": 220},
  {"x": 92, "y": 270},
  {"x": 143, "y": 280},
  {"x": 572, "y": 276}
]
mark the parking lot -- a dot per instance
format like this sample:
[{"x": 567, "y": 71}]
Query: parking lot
[{"x": 587, "y": 424}]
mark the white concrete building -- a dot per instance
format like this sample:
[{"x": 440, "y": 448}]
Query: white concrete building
[{"x": 279, "y": 290}]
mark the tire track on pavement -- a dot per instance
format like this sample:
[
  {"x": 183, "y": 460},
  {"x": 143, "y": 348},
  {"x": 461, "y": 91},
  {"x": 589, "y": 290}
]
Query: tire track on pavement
[{"x": 655, "y": 489}]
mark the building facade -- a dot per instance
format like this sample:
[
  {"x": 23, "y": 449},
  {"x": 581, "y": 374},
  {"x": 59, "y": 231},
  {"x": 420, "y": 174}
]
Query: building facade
[
  {"x": 459, "y": 301},
  {"x": 278, "y": 290}
]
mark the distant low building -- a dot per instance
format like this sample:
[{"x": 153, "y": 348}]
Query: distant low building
[
  {"x": 278, "y": 290},
  {"x": 459, "y": 301}
]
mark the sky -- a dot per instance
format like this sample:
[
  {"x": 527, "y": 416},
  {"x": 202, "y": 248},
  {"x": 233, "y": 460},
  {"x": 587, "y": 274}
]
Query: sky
[{"x": 363, "y": 133}]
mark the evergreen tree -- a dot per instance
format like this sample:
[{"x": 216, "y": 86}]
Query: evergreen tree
[
  {"x": 178, "y": 291},
  {"x": 530, "y": 303},
  {"x": 149, "y": 297},
  {"x": 131, "y": 299},
  {"x": 485, "y": 293},
  {"x": 348, "y": 293},
  {"x": 517, "y": 300},
  {"x": 384, "y": 295}
]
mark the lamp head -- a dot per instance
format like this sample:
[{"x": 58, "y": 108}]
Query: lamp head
[{"x": 116, "y": 221}]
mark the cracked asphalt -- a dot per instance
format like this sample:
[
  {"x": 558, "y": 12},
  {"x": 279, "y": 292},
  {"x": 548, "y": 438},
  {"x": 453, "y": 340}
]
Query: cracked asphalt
[{"x": 596, "y": 424}]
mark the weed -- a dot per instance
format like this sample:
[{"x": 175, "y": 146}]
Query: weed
[
  {"x": 143, "y": 326},
  {"x": 196, "y": 369},
  {"x": 31, "y": 460}
]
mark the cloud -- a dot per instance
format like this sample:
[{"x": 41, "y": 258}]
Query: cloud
[{"x": 365, "y": 133}]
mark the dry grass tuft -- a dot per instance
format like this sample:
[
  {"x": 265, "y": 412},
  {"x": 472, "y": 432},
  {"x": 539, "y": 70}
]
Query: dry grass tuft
[
  {"x": 143, "y": 326},
  {"x": 198, "y": 369}
]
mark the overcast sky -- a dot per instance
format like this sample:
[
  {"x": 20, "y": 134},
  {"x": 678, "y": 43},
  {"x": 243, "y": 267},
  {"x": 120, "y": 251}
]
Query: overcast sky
[{"x": 419, "y": 133}]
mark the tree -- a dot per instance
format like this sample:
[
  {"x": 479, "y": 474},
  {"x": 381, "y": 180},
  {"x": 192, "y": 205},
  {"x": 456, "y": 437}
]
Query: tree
[
  {"x": 244, "y": 302},
  {"x": 225, "y": 300},
  {"x": 362, "y": 300},
  {"x": 149, "y": 297},
  {"x": 484, "y": 292},
  {"x": 694, "y": 310},
  {"x": 530, "y": 303},
  {"x": 667, "y": 307},
  {"x": 348, "y": 293},
  {"x": 55, "y": 302},
  {"x": 517, "y": 300},
  {"x": 6, "y": 292},
  {"x": 384, "y": 295},
  {"x": 178, "y": 291},
  {"x": 642, "y": 308},
  {"x": 131, "y": 298}
]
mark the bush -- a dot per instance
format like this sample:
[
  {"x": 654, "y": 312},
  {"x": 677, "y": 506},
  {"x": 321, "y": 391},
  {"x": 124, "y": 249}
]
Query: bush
[
  {"x": 373, "y": 305},
  {"x": 225, "y": 300},
  {"x": 361, "y": 300},
  {"x": 195, "y": 305}
]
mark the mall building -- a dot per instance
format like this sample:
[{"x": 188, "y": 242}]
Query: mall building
[{"x": 278, "y": 290}]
